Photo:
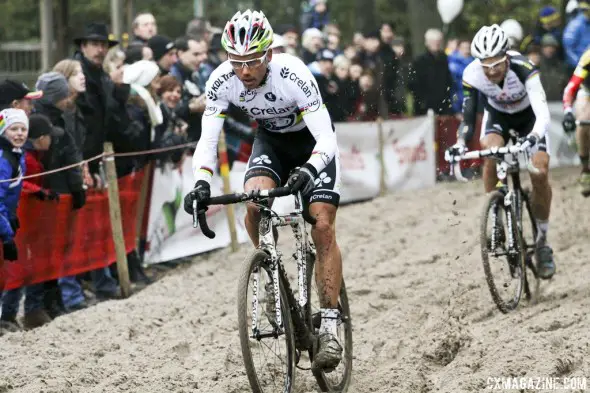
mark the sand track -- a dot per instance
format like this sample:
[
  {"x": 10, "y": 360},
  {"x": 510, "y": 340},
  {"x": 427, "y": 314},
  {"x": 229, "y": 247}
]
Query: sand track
[{"x": 423, "y": 317}]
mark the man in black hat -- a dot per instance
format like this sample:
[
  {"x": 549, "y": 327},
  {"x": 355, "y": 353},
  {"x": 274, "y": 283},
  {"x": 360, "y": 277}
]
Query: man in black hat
[
  {"x": 103, "y": 102},
  {"x": 17, "y": 95},
  {"x": 164, "y": 51},
  {"x": 103, "y": 106}
]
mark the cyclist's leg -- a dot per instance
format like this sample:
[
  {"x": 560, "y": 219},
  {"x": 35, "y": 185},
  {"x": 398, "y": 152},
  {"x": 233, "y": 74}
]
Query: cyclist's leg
[
  {"x": 493, "y": 134},
  {"x": 323, "y": 206},
  {"x": 264, "y": 172},
  {"x": 583, "y": 137},
  {"x": 541, "y": 205},
  {"x": 541, "y": 195}
]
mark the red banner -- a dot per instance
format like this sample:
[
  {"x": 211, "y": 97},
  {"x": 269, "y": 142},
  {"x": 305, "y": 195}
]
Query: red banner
[
  {"x": 55, "y": 241},
  {"x": 446, "y": 136}
]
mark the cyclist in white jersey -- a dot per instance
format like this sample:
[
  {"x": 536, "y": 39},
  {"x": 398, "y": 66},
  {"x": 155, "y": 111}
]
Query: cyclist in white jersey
[
  {"x": 295, "y": 130},
  {"x": 515, "y": 100}
]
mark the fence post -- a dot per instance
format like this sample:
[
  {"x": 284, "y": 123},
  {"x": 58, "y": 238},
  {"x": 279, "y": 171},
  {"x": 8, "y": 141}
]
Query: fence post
[
  {"x": 143, "y": 197},
  {"x": 224, "y": 171},
  {"x": 382, "y": 172},
  {"x": 116, "y": 224}
]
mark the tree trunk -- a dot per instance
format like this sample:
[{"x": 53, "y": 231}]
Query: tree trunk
[
  {"x": 365, "y": 15},
  {"x": 422, "y": 15},
  {"x": 62, "y": 38}
]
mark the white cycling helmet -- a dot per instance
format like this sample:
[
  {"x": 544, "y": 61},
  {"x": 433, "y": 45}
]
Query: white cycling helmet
[
  {"x": 490, "y": 41},
  {"x": 246, "y": 33}
]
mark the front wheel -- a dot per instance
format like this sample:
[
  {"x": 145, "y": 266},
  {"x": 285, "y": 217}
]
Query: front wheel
[
  {"x": 268, "y": 352},
  {"x": 339, "y": 379},
  {"x": 503, "y": 263}
]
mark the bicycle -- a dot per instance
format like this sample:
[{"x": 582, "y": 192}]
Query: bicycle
[
  {"x": 512, "y": 201},
  {"x": 286, "y": 317}
]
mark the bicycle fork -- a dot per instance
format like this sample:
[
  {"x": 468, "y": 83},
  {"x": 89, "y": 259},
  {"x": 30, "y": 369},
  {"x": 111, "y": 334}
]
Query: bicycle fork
[
  {"x": 267, "y": 243},
  {"x": 507, "y": 203}
]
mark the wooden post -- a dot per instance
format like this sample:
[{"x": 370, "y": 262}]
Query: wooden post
[
  {"x": 143, "y": 196},
  {"x": 116, "y": 224},
  {"x": 224, "y": 170},
  {"x": 47, "y": 36},
  {"x": 382, "y": 173},
  {"x": 117, "y": 18}
]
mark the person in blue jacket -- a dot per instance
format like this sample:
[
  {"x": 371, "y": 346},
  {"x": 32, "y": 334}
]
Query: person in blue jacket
[
  {"x": 576, "y": 37},
  {"x": 14, "y": 129},
  {"x": 458, "y": 61}
]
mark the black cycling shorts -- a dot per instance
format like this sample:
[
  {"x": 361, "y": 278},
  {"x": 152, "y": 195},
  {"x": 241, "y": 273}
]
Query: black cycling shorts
[
  {"x": 275, "y": 155},
  {"x": 515, "y": 125}
]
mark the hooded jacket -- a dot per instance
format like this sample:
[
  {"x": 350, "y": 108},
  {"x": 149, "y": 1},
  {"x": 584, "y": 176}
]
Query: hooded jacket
[{"x": 12, "y": 165}]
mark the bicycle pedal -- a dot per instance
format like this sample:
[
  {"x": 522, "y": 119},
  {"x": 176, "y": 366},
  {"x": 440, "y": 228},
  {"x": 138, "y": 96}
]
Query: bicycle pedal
[{"x": 316, "y": 320}]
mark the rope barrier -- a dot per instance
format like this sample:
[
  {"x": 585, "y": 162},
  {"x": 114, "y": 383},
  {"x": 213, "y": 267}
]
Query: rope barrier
[{"x": 101, "y": 155}]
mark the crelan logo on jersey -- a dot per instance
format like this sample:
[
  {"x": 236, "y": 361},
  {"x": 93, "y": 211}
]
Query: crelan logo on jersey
[
  {"x": 269, "y": 111},
  {"x": 286, "y": 74}
]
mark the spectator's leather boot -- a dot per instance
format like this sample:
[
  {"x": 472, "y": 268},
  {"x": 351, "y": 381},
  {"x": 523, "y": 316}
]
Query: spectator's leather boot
[
  {"x": 36, "y": 318},
  {"x": 8, "y": 323}
]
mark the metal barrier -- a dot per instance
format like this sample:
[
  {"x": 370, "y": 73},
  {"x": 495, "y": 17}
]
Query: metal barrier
[{"x": 20, "y": 61}]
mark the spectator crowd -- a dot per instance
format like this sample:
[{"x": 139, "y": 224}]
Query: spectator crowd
[{"x": 149, "y": 93}]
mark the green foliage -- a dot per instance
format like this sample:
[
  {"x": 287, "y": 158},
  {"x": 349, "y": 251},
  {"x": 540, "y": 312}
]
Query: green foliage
[
  {"x": 477, "y": 13},
  {"x": 19, "y": 20}
]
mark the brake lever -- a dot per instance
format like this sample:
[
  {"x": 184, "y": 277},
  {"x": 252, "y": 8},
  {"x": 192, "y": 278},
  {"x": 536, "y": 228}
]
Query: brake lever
[
  {"x": 525, "y": 148},
  {"x": 195, "y": 214}
]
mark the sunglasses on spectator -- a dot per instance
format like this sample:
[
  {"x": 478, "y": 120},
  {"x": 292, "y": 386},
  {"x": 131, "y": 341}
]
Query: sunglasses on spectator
[
  {"x": 253, "y": 63},
  {"x": 494, "y": 64}
]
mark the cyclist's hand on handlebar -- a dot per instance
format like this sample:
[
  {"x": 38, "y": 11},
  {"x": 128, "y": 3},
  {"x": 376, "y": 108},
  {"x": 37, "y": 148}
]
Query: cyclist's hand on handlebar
[
  {"x": 302, "y": 180},
  {"x": 569, "y": 121},
  {"x": 458, "y": 149},
  {"x": 531, "y": 138},
  {"x": 201, "y": 193}
]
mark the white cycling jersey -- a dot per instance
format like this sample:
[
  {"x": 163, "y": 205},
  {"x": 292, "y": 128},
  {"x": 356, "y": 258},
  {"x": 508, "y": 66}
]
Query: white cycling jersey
[
  {"x": 521, "y": 88},
  {"x": 287, "y": 101}
]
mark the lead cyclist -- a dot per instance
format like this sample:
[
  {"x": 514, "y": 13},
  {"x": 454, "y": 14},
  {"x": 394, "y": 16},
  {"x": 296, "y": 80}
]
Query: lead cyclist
[
  {"x": 515, "y": 100},
  {"x": 295, "y": 130}
]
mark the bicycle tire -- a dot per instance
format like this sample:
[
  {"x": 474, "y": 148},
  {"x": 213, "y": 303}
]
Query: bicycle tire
[
  {"x": 257, "y": 259},
  {"x": 325, "y": 383},
  {"x": 497, "y": 198}
]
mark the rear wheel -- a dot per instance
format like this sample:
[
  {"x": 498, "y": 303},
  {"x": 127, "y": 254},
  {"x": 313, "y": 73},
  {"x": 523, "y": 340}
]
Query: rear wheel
[
  {"x": 503, "y": 265},
  {"x": 269, "y": 355},
  {"x": 339, "y": 379}
]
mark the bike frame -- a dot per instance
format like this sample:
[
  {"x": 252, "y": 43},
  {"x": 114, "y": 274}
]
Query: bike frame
[
  {"x": 269, "y": 220},
  {"x": 513, "y": 195},
  {"x": 507, "y": 165}
]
